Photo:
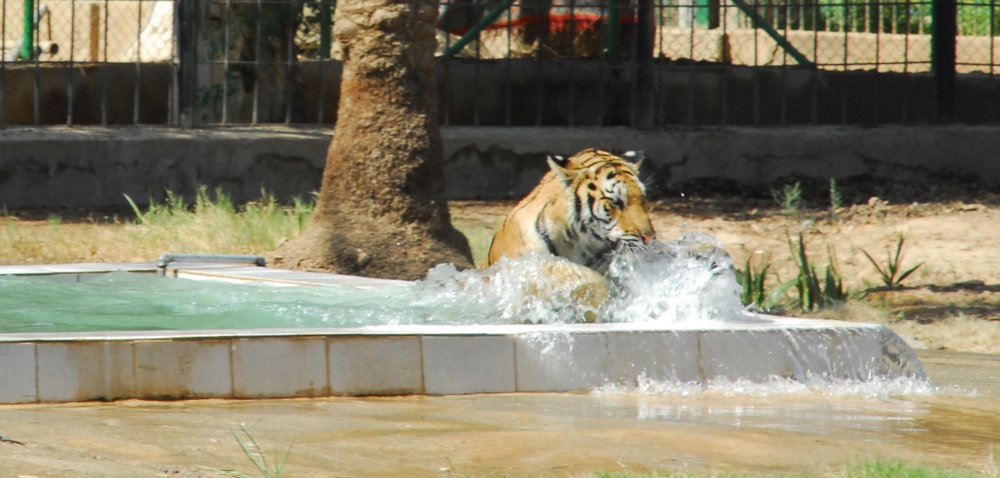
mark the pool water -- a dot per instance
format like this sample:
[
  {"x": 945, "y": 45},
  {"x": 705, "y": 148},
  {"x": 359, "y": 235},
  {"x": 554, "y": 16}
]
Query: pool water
[
  {"x": 143, "y": 301},
  {"x": 687, "y": 280}
]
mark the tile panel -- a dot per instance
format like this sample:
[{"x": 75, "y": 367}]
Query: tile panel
[
  {"x": 175, "y": 369},
  {"x": 375, "y": 365},
  {"x": 468, "y": 364},
  {"x": 560, "y": 361},
  {"x": 81, "y": 371},
  {"x": 277, "y": 367},
  {"x": 18, "y": 379}
]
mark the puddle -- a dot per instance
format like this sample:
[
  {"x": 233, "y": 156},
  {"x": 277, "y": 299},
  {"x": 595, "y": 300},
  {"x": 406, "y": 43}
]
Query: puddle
[{"x": 813, "y": 432}]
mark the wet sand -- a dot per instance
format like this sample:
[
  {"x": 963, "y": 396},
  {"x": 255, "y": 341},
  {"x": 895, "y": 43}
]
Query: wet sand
[{"x": 522, "y": 434}]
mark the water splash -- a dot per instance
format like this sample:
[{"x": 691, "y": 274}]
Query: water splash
[
  {"x": 511, "y": 291},
  {"x": 690, "y": 279},
  {"x": 872, "y": 388}
]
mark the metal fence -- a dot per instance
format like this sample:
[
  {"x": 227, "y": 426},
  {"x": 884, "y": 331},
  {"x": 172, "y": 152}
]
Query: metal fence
[{"x": 643, "y": 63}]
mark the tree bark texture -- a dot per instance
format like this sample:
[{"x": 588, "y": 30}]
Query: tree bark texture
[{"x": 381, "y": 212}]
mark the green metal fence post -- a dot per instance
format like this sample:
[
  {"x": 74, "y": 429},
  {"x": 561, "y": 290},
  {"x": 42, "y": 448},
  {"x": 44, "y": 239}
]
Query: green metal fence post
[
  {"x": 763, "y": 24},
  {"x": 473, "y": 32},
  {"x": 28, "y": 39},
  {"x": 613, "y": 41},
  {"x": 706, "y": 13}
]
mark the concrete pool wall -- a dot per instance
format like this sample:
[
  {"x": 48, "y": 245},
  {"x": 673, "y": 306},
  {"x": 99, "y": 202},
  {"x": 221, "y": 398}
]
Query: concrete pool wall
[{"x": 432, "y": 360}]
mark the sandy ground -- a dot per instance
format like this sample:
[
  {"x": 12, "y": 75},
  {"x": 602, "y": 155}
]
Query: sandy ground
[{"x": 523, "y": 435}]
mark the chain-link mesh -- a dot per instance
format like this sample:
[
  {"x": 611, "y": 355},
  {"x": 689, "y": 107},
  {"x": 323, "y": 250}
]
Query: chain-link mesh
[
  {"x": 92, "y": 31},
  {"x": 503, "y": 62}
]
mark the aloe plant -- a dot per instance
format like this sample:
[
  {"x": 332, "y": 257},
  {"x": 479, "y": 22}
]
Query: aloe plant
[
  {"x": 892, "y": 272},
  {"x": 790, "y": 198},
  {"x": 753, "y": 284},
  {"x": 813, "y": 292}
]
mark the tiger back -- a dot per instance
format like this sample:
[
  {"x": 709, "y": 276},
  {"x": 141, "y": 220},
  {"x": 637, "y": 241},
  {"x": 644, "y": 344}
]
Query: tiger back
[{"x": 582, "y": 209}]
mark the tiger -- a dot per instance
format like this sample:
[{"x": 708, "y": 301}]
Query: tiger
[{"x": 582, "y": 209}]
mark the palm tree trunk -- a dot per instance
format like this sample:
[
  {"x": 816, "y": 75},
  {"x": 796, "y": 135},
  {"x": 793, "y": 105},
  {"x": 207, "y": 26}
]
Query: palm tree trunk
[{"x": 381, "y": 211}]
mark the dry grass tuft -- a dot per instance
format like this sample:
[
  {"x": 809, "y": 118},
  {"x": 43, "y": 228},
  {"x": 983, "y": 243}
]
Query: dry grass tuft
[
  {"x": 960, "y": 332},
  {"x": 212, "y": 224},
  {"x": 955, "y": 332}
]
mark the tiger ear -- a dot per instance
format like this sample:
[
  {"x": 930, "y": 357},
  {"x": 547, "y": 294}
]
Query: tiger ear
[
  {"x": 634, "y": 157},
  {"x": 556, "y": 160},
  {"x": 558, "y": 165}
]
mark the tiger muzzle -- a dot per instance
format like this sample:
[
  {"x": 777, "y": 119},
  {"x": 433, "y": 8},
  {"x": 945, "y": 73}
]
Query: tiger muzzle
[{"x": 643, "y": 228}]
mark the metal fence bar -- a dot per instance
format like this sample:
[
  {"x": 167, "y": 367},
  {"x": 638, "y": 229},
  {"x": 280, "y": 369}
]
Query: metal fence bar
[
  {"x": 756, "y": 77},
  {"x": 943, "y": 57},
  {"x": 993, "y": 33},
  {"x": 136, "y": 98},
  {"x": 28, "y": 32},
  {"x": 762, "y": 23},
  {"x": 689, "y": 13},
  {"x": 508, "y": 71},
  {"x": 69, "y": 70},
  {"x": 104, "y": 67},
  {"x": 477, "y": 85},
  {"x": 28, "y": 53},
  {"x": 473, "y": 33},
  {"x": 686, "y": 62},
  {"x": 3, "y": 66},
  {"x": 783, "y": 108},
  {"x": 226, "y": 40},
  {"x": 290, "y": 59},
  {"x": 258, "y": 44},
  {"x": 643, "y": 88},
  {"x": 187, "y": 48},
  {"x": 724, "y": 110}
]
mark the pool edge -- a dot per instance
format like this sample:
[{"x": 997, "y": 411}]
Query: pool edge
[{"x": 434, "y": 360}]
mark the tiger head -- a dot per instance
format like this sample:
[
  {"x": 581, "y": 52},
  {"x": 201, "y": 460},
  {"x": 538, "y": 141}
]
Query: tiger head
[{"x": 583, "y": 208}]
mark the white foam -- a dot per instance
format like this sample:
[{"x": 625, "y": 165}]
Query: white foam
[
  {"x": 688, "y": 281},
  {"x": 870, "y": 388}
]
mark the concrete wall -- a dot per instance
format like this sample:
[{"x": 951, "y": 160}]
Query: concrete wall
[
  {"x": 521, "y": 93},
  {"x": 94, "y": 167}
]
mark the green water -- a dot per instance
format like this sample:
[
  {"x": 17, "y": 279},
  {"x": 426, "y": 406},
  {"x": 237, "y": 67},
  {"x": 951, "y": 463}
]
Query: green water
[
  {"x": 134, "y": 301},
  {"x": 664, "y": 283}
]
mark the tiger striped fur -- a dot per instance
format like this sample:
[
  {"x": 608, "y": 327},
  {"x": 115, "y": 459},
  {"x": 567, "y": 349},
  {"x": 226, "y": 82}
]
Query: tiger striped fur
[{"x": 582, "y": 209}]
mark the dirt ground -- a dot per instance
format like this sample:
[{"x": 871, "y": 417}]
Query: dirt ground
[
  {"x": 547, "y": 435},
  {"x": 952, "y": 228}
]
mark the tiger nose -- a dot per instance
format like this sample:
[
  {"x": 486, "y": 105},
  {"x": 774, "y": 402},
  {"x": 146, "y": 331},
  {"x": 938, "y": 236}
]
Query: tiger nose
[{"x": 647, "y": 233}]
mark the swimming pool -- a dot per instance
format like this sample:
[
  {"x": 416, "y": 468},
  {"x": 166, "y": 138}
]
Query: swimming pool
[{"x": 420, "y": 358}]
